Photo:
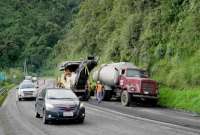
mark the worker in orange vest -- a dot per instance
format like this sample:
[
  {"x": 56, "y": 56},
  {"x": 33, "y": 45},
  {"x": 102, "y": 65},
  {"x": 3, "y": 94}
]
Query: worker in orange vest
[{"x": 99, "y": 91}]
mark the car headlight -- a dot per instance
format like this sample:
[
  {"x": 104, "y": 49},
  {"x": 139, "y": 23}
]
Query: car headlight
[
  {"x": 49, "y": 106},
  {"x": 81, "y": 105}
]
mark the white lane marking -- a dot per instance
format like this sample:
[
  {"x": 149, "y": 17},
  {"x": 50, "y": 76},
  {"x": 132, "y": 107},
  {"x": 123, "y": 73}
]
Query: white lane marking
[{"x": 96, "y": 108}]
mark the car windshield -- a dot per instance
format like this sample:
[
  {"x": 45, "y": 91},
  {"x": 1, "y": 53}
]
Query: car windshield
[
  {"x": 61, "y": 94},
  {"x": 136, "y": 73},
  {"x": 25, "y": 86}
]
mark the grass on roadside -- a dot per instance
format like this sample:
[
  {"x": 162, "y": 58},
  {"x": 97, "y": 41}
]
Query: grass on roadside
[
  {"x": 180, "y": 99},
  {"x": 8, "y": 86}
]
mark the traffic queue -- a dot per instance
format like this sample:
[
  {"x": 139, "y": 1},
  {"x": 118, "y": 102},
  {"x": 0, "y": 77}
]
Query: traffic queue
[{"x": 61, "y": 100}]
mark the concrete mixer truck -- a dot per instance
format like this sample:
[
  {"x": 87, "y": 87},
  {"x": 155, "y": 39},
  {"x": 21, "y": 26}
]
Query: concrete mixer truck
[{"x": 127, "y": 82}]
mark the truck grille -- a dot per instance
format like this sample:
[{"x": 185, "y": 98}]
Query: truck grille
[{"x": 148, "y": 87}]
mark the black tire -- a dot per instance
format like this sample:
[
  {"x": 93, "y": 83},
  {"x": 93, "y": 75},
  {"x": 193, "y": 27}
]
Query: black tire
[
  {"x": 86, "y": 97},
  {"x": 154, "y": 102},
  {"x": 44, "y": 118},
  {"x": 19, "y": 99},
  {"x": 80, "y": 120},
  {"x": 125, "y": 98},
  {"x": 107, "y": 95}
]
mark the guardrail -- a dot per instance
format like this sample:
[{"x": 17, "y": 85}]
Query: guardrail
[{"x": 3, "y": 91}]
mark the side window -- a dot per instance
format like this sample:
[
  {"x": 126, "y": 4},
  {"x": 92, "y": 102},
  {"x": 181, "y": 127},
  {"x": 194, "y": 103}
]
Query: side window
[{"x": 123, "y": 72}]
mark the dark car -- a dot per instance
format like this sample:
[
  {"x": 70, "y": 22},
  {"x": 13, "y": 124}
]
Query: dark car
[{"x": 59, "y": 104}]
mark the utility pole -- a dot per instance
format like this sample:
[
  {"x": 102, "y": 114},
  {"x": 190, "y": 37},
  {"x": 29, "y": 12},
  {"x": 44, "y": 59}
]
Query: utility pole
[{"x": 25, "y": 68}]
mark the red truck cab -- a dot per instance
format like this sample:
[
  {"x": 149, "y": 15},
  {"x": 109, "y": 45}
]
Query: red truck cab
[{"x": 135, "y": 83}]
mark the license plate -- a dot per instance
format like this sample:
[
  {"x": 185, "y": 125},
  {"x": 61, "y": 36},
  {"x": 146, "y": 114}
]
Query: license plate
[{"x": 68, "y": 114}]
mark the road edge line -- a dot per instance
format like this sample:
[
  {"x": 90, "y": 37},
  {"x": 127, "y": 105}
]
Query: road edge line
[{"x": 144, "y": 119}]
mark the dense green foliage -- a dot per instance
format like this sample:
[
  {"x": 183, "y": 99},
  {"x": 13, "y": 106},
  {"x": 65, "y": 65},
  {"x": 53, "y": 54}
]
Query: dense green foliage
[
  {"x": 159, "y": 35},
  {"x": 7, "y": 86},
  {"x": 180, "y": 99},
  {"x": 29, "y": 29}
]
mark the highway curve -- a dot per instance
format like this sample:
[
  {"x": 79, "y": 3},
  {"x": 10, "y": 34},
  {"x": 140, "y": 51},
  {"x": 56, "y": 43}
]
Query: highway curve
[{"x": 17, "y": 118}]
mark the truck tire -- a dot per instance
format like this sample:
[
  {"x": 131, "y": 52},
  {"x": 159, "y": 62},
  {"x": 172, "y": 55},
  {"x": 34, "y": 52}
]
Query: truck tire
[
  {"x": 154, "y": 102},
  {"x": 125, "y": 98},
  {"x": 107, "y": 95},
  {"x": 85, "y": 96}
]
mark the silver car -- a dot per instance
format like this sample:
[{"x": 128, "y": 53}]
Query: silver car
[
  {"x": 26, "y": 90},
  {"x": 59, "y": 104}
]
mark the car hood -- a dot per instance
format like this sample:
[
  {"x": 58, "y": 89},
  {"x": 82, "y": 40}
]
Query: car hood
[{"x": 28, "y": 89}]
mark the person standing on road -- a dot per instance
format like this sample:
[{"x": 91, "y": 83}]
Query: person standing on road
[{"x": 99, "y": 91}]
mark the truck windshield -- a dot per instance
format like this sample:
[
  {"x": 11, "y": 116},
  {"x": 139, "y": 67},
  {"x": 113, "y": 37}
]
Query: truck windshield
[{"x": 136, "y": 73}]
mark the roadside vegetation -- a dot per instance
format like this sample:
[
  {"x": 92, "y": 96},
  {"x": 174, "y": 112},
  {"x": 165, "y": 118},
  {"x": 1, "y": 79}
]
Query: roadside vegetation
[
  {"x": 184, "y": 99},
  {"x": 7, "y": 86},
  {"x": 13, "y": 77}
]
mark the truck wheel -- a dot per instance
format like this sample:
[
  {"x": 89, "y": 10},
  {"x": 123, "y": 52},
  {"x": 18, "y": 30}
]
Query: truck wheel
[
  {"x": 86, "y": 97},
  {"x": 125, "y": 98},
  {"x": 154, "y": 102},
  {"x": 107, "y": 95}
]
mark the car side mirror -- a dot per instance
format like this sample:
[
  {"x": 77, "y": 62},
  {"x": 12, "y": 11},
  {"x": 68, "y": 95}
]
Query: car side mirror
[{"x": 40, "y": 98}]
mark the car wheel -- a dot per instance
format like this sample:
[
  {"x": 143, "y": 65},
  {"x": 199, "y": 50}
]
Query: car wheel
[
  {"x": 44, "y": 118},
  {"x": 19, "y": 99},
  {"x": 81, "y": 120},
  {"x": 125, "y": 98}
]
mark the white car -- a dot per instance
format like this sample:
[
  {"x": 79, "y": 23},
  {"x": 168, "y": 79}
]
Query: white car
[{"x": 26, "y": 90}]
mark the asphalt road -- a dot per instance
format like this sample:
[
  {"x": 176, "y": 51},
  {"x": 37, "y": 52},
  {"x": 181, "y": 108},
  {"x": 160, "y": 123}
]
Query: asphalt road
[{"x": 109, "y": 118}]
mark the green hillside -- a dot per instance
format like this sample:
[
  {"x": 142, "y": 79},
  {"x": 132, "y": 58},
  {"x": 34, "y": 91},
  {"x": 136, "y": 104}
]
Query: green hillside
[
  {"x": 29, "y": 29},
  {"x": 158, "y": 35}
]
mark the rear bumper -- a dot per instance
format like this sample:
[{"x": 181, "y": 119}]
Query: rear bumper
[{"x": 59, "y": 115}]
